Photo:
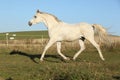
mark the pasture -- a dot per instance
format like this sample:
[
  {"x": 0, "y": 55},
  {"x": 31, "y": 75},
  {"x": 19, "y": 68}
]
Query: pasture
[
  {"x": 21, "y": 62},
  {"x": 25, "y": 35}
]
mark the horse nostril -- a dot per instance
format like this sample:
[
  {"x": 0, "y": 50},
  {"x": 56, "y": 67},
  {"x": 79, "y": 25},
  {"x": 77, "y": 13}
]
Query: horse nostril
[{"x": 29, "y": 23}]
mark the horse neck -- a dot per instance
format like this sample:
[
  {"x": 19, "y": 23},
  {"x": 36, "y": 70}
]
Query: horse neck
[{"x": 50, "y": 22}]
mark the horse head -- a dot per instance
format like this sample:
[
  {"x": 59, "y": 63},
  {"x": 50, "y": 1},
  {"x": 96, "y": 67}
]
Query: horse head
[{"x": 36, "y": 19}]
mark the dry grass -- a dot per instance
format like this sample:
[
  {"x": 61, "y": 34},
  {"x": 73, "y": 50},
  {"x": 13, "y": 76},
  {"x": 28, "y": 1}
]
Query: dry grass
[{"x": 114, "y": 42}]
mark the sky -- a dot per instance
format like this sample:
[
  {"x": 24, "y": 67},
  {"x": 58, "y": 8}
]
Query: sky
[{"x": 15, "y": 14}]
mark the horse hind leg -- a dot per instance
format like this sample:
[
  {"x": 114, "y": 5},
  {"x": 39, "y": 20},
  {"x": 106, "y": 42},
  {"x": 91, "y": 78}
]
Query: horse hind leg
[
  {"x": 81, "y": 43},
  {"x": 97, "y": 47}
]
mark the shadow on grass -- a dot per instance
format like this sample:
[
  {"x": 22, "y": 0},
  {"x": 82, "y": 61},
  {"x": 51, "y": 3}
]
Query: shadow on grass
[
  {"x": 116, "y": 77},
  {"x": 34, "y": 56}
]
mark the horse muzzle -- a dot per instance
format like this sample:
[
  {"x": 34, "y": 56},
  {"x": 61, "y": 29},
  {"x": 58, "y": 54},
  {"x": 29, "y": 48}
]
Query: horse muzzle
[{"x": 29, "y": 23}]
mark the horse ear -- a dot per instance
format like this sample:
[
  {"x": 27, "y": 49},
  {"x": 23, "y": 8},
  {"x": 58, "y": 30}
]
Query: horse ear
[{"x": 38, "y": 11}]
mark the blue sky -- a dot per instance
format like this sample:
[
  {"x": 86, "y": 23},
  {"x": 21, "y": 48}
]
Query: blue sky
[{"x": 15, "y": 14}]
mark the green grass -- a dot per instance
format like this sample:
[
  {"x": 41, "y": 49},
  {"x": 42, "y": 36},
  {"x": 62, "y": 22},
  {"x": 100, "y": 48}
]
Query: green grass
[
  {"x": 24, "y": 64},
  {"x": 26, "y": 35}
]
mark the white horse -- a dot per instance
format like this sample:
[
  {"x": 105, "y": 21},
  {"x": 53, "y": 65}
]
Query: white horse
[{"x": 60, "y": 31}]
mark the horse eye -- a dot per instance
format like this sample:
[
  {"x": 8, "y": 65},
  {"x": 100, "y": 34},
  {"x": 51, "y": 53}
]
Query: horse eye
[{"x": 35, "y": 16}]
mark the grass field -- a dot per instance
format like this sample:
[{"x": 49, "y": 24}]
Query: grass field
[
  {"x": 25, "y": 35},
  {"x": 22, "y": 63}
]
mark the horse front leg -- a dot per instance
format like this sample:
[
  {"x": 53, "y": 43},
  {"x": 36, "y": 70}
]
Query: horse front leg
[
  {"x": 59, "y": 51},
  {"x": 49, "y": 44}
]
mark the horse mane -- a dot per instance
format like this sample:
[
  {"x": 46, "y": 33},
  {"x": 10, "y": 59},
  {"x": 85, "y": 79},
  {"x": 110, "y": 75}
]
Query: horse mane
[{"x": 52, "y": 16}]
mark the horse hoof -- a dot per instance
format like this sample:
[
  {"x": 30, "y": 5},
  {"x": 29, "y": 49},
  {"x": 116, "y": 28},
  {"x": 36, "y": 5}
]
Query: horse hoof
[
  {"x": 67, "y": 59},
  {"x": 74, "y": 59},
  {"x": 41, "y": 60},
  {"x": 103, "y": 59}
]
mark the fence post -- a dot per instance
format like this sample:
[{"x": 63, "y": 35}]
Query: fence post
[{"x": 7, "y": 34}]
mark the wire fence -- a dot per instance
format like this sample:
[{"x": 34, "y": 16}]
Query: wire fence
[
  {"x": 23, "y": 38},
  {"x": 24, "y": 42},
  {"x": 41, "y": 40}
]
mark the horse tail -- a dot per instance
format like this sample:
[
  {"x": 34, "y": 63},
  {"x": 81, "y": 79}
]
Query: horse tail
[{"x": 101, "y": 32}]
